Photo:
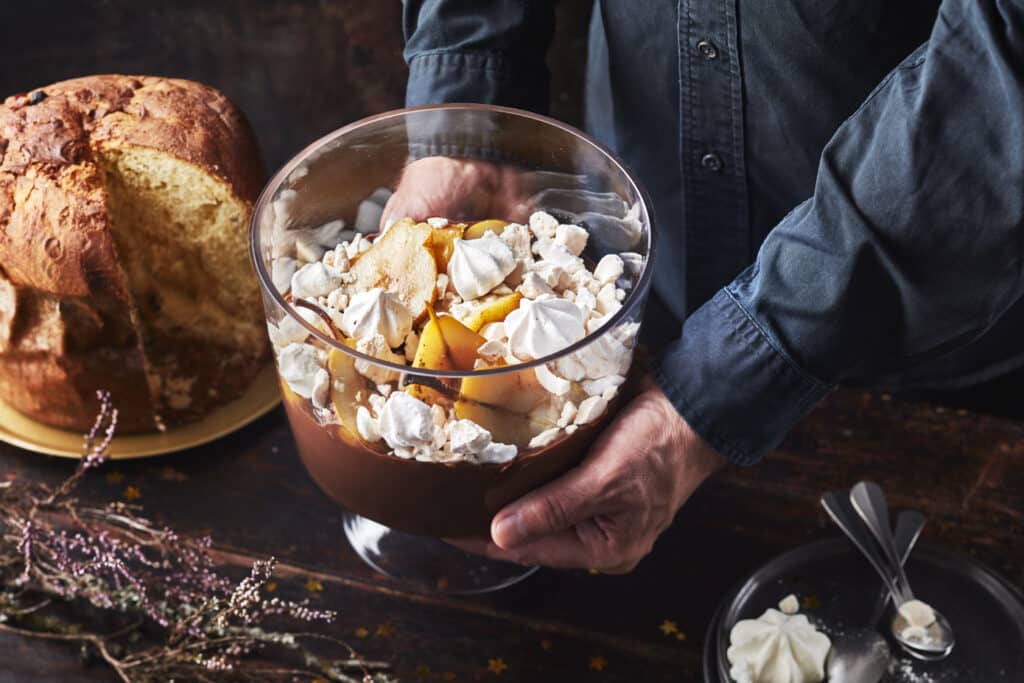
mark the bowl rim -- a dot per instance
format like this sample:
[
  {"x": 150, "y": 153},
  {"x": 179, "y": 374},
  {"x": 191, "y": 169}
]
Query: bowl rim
[{"x": 636, "y": 298}]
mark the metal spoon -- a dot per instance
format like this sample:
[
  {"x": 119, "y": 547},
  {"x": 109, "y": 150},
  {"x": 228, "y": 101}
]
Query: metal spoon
[
  {"x": 862, "y": 655},
  {"x": 938, "y": 639}
]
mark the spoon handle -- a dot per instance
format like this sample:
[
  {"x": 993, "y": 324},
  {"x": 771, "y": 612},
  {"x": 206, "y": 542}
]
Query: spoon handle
[
  {"x": 842, "y": 513},
  {"x": 870, "y": 503},
  {"x": 909, "y": 524}
]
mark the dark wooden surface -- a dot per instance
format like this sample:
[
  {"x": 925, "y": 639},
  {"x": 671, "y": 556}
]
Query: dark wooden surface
[{"x": 964, "y": 470}]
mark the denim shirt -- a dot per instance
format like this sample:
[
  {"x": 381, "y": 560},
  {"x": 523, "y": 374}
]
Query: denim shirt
[{"x": 838, "y": 184}]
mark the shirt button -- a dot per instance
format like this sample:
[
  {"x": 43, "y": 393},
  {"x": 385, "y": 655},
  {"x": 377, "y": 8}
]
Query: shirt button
[
  {"x": 711, "y": 161},
  {"x": 707, "y": 49}
]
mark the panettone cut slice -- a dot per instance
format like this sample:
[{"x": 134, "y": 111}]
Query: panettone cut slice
[{"x": 124, "y": 205}]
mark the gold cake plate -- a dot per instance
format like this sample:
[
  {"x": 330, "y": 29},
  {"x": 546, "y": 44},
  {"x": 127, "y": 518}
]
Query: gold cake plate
[{"x": 260, "y": 398}]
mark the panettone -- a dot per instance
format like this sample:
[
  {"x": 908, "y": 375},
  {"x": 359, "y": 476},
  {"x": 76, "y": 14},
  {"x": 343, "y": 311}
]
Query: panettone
[{"x": 124, "y": 205}]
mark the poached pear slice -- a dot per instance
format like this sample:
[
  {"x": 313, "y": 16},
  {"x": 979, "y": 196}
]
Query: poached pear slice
[
  {"x": 506, "y": 405},
  {"x": 480, "y": 228},
  {"x": 495, "y": 311},
  {"x": 445, "y": 344},
  {"x": 442, "y": 243}
]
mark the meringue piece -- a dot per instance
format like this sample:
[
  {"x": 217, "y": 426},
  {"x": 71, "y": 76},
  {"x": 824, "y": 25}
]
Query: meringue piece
[
  {"x": 534, "y": 286},
  {"x": 590, "y": 409},
  {"x": 368, "y": 426},
  {"x": 571, "y": 429},
  {"x": 467, "y": 438},
  {"x": 609, "y": 268},
  {"x": 556, "y": 254},
  {"x": 517, "y": 237},
  {"x": 377, "y": 347},
  {"x": 552, "y": 274},
  {"x": 917, "y": 613},
  {"x": 492, "y": 350},
  {"x": 582, "y": 280},
  {"x": 552, "y": 382},
  {"x": 478, "y": 266},
  {"x": 598, "y": 387},
  {"x": 777, "y": 647},
  {"x": 603, "y": 356},
  {"x": 493, "y": 331},
  {"x": 281, "y": 272},
  {"x": 543, "y": 225},
  {"x": 384, "y": 390},
  {"x": 321, "y": 396},
  {"x": 338, "y": 300},
  {"x": 377, "y": 312},
  {"x": 376, "y": 402},
  {"x": 291, "y": 331},
  {"x": 608, "y": 299},
  {"x": 298, "y": 365},
  {"x": 542, "y": 327},
  {"x": 789, "y": 604},
  {"x": 572, "y": 237},
  {"x": 545, "y": 438},
  {"x": 594, "y": 324},
  {"x": 568, "y": 414},
  {"x": 437, "y": 222},
  {"x": 357, "y": 246},
  {"x": 315, "y": 279},
  {"x": 406, "y": 423},
  {"x": 336, "y": 259},
  {"x": 586, "y": 302},
  {"x": 496, "y": 453}
]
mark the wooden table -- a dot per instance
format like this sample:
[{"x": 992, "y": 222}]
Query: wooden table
[{"x": 965, "y": 470}]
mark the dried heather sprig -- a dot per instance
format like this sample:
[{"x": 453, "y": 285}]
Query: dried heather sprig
[{"x": 116, "y": 560}]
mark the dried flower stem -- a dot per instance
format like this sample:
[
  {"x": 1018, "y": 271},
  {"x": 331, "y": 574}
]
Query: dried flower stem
[{"x": 52, "y": 549}]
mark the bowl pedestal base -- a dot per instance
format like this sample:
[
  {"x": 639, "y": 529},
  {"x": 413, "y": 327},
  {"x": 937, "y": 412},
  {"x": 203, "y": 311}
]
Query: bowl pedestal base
[{"x": 427, "y": 564}]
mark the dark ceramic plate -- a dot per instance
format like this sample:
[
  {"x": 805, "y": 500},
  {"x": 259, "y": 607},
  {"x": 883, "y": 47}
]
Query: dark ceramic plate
[{"x": 986, "y": 611}]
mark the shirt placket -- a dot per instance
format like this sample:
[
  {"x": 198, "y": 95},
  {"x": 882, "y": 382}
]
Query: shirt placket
[{"x": 719, "y": 243}]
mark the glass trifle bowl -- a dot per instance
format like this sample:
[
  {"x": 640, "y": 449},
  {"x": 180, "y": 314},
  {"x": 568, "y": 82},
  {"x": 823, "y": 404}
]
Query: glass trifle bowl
[{"x": 437, "y": 366}]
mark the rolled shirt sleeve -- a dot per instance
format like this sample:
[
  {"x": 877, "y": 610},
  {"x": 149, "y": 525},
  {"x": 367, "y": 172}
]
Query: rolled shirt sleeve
[
  {"x": 487, "y": 51},
  {"x": 911, "y": 246}
]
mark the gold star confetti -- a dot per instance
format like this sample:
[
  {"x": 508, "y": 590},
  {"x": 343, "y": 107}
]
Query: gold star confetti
[
  {"x": 270, "y": 587},
  {"x": 593, "y": 572},
  {"x": 314, "y": 585},
  {"x": 496, "y": 666},
  {"x": 423, "y": 671},
  {"x": 385, "y": 630},
  {"x": 546, "y": 645},
  {"x": 597, "y": 663},
  {"x": 680, "y": 636},
  {"x": 132, "y": 493},
  {"x": 362, "y": 632},
  {"x": 448, "y": 676},
  {"x": 810, "y": 602},
  {"x": 669, "y": 627},
  {"x": 115, "y": 477},
  {"x": 171, "y": 474}
]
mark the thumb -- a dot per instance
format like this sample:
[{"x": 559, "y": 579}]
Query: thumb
[{"x": 552, "y": 508}]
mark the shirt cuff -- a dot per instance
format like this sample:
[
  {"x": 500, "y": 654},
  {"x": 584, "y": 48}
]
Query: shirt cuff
[
  {"x": 484, "y": 77},
  {"x": 732, "y": 383}
]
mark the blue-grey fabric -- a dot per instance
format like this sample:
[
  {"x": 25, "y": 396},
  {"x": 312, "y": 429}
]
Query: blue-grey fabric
[{"x": 838, "y": 184}]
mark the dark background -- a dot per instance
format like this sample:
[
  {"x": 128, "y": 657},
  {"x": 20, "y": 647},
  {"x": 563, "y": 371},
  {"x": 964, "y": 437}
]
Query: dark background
[{"x": 298, "y": 68}]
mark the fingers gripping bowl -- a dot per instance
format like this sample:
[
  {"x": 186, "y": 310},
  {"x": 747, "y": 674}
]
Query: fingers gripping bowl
[{"x": 438, "y": 369}]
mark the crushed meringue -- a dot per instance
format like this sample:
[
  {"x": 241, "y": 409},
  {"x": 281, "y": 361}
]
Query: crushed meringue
[{"x": 299, "y": 365}]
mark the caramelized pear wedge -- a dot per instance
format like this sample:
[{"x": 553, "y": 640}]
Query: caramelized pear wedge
[
  {"x": 442, "y": 243},
  {"x": 506, "y": 405},
  {"x": 349, "y": 390},
  {"x": 445, "y": 344},
  {"x": 480, "y": 228},
  {"x": 495, "y": 311},
  {"x": 400, "y": 262}
]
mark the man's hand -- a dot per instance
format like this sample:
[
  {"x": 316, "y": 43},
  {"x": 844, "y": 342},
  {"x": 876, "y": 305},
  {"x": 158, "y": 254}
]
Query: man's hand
[
  {"x": 607, "y": 512},
  {"x": 457, "y": 189}
]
